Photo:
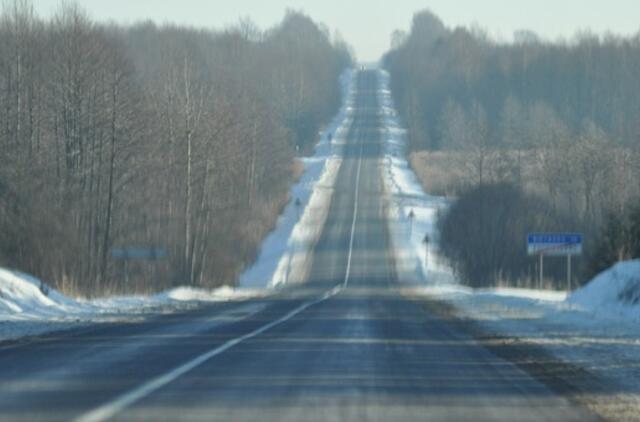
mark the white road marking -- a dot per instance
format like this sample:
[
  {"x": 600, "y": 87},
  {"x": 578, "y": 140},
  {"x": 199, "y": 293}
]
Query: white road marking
[
  {"x": 122, "y": 402},
  {"x": 355, "y": 218}
]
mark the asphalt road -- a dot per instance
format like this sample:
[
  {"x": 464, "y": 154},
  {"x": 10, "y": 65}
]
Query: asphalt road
[{"x": 345, "y": 346}]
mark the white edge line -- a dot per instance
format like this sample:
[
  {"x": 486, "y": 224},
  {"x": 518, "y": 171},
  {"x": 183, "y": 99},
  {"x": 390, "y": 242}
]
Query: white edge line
[
  {"x": 111, "y": 409},
  {"x": 355, "y": 218},
  {"x": 120, "y": 403}
]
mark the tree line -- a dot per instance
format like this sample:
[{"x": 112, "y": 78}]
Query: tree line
[
  {"x": 152, "y": 136},
  {"x": 555, "y": 120}
]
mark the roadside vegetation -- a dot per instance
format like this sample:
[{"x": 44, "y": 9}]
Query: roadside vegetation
[
  {"x": 483, "y": 233},
  {"x": 544, "y": 133},
  {"x": 152, "y": 137}
]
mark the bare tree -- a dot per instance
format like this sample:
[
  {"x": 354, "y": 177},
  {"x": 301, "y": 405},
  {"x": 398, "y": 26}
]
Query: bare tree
[
  {"x": 155, "y": 137},
  {"x": 592, "y": 163}
]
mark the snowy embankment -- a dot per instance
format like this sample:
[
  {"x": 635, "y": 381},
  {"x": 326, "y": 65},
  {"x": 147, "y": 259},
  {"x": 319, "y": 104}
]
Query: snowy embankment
[
  {"x": 29, "y": 307},
  {"x": 614, "y": 293},
  {"x": 412, "y": 214},
  {"x": 285, "y": 254},
  {"x": 596, "y": 327}
]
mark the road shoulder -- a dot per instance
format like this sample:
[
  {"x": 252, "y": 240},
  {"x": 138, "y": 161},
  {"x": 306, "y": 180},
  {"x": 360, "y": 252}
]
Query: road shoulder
[{"x": 604, "y": 397}]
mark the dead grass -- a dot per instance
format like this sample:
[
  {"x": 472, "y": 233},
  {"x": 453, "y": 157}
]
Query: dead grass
[
  {"x": 437, "y": 173},
  {"x": 447, "y": 173}
]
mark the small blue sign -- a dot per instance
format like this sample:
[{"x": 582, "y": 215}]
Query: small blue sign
[{"x": 556, "y": 244}]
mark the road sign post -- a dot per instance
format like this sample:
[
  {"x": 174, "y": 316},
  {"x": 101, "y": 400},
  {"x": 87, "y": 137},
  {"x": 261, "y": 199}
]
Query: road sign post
[
  {"x": 569, "y": 273},
  {"x": 541, "y": 279},
  {"x": 412, "y": 216},
  {"x": 426, "y": 251},
  {"x": 555, "y": 244}
]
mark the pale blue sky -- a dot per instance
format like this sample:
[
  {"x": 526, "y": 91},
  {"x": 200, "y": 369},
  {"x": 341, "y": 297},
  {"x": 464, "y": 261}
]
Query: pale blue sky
[{"x": 367, "y": 24}]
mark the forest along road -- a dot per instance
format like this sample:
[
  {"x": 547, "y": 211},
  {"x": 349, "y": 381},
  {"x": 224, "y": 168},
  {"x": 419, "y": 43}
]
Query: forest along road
[{"x": 344, "y": 346}]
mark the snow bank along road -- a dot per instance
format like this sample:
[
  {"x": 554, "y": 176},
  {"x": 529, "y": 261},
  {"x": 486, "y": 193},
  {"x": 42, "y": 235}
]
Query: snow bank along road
[{"x": 345, "y": 345}]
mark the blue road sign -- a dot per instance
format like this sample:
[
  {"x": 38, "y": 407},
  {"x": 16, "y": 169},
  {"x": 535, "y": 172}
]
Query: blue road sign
[{"x": 554, "y": 244}]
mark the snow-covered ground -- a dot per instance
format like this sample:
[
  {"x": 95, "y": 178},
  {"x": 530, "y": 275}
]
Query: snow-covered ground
[
  {"x": 412, "y": 214},
  {"x": 28, "y": 307},
  {"x": 285, "y": 254},
  {"x": 597, "y": 327},
  {"x": 594, "y": 328},
  {"x": 613, "y": 294}
]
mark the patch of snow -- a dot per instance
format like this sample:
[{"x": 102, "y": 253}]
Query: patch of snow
[
  {"x": 29, "y": 307},
  {"x": 614, "y": 293},
  {"x": 540, "y": 295},
  {"x": 286, "y": 252},
  {"x": 595, "y": 328},
  {"x": 412, "y": 214},
  {"x": 582, "y": 333},
  {"x": 295, "y": 262}
]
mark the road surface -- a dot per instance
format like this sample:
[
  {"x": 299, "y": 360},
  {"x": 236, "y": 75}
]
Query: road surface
[{"x": 344, "y": 346}]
